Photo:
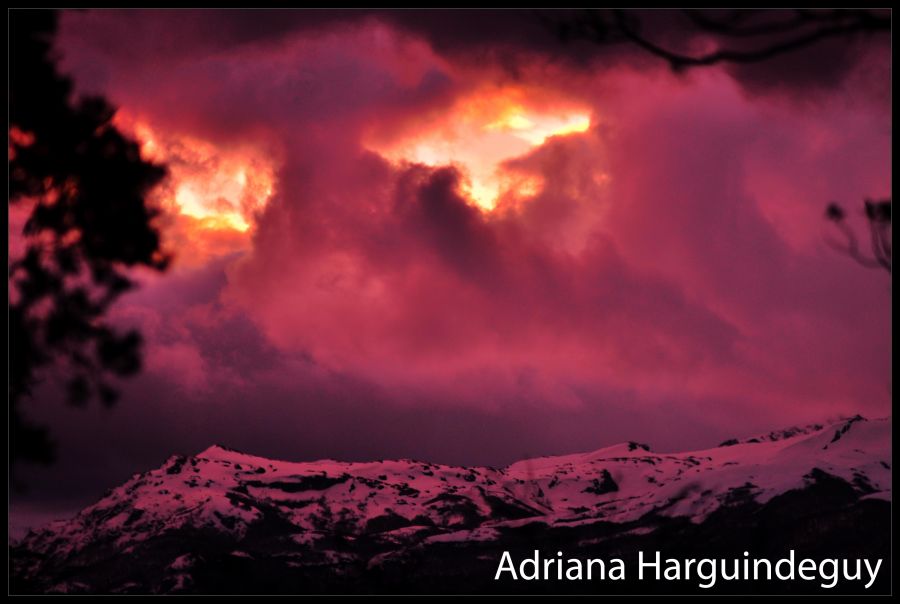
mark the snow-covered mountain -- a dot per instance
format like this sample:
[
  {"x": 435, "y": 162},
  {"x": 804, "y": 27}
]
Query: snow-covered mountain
[{"x": 345, "y": 517}]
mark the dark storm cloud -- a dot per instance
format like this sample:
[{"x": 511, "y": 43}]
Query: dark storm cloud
[
  {"x": 432, "y": 205},
  {"x": 510, "y": 38}
]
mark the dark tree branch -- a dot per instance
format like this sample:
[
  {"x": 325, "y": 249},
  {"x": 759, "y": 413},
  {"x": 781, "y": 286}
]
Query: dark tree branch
[
  {"x": 741, "y": 42},
  {"x": 734, "y": 27},
  {"x": 861, "y": 21},
  {"x": 878, "y": 214}
]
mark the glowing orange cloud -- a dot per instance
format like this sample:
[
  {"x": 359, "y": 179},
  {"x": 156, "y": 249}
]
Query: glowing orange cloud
[
  {"x": 480, "y": 133},
  {"x": 212, "y": 195}
]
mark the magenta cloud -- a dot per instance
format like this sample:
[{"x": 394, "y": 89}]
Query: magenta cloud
[{"x": 669, "y": 280}]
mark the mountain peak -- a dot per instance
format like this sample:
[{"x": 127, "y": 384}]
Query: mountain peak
[
  {"x": 217, "y": 450},
  {"x": 223, "y": 453}
]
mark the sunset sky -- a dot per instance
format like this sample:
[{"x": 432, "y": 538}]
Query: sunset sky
[{"x": 453, "y": 237}]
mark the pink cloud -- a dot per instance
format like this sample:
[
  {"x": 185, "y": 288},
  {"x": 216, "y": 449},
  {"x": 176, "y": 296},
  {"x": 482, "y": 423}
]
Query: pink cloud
[{"x": 670, "y": 262}]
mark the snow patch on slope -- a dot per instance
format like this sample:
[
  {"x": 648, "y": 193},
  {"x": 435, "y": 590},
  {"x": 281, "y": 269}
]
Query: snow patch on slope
[{"x": 221, "y": 490}]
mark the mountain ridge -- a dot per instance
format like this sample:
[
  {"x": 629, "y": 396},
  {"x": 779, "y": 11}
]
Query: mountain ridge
[{"x": 317, "y": 514}]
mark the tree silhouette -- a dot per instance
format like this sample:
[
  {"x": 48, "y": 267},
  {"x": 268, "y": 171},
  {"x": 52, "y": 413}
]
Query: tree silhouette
[
  {"x": 878, "y": 215},
  {"x": 84, "y": 187}
]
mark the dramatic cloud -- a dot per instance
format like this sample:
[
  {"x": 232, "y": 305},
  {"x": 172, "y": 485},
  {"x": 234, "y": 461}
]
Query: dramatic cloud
[{"x": 389, "y": 242}]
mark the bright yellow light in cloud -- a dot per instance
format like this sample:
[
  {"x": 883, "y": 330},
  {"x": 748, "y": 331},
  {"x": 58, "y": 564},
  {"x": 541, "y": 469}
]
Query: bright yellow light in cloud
[
  {"x": 482, "y": 132},
  {"x": 214, "y": 194},
  {"x": 219, "y": 186},
  {"x": 193, "y": 202},
  {"x": 536, "y": 129}
]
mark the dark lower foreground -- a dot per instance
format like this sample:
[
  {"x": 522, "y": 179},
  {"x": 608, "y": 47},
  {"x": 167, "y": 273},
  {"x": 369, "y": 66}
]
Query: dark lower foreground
[{"x": 825, "y": 520}]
